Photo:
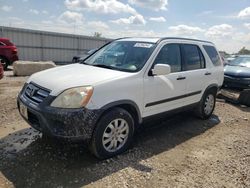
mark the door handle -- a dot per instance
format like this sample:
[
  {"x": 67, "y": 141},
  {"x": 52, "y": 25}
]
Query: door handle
[
  {"x": 208, "y": 73},
  {"x": 181, "y": 78}
]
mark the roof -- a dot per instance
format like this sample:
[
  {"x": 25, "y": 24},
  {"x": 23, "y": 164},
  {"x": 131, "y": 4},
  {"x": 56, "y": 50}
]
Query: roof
[
  {"x": 159, "y": 39},
  {"x": 4, "y": 39},
  {"x": 180, "y": 38},
  {"x": 149, "y": 39}
]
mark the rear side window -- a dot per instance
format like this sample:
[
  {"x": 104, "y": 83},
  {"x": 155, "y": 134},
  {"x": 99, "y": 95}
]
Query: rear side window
[
  {"x": 170, "y": 54},
  {"x": 213, "y": 55},
  {"x": 193, "y": 57}
]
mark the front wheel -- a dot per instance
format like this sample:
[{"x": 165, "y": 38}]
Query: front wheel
[
  {"x": 113, "y": 134},
  {"x": 206, "y": 106}
]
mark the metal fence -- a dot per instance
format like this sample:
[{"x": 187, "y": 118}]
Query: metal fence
[{"x": 49, "y": 46}]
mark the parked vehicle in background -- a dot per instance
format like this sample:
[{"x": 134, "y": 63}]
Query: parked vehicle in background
[
  {"x": 8, "y": 52},
  {"x": 106, "y": 97},
  {"x": 81, "y": 57},
  {"x": 224, "y": 60},
  {"x": 223, "y": 57},
  {"x": 237, "y": 73},
  {"x": 231, "y": 58},
  {"x": 1, "y": 70}
]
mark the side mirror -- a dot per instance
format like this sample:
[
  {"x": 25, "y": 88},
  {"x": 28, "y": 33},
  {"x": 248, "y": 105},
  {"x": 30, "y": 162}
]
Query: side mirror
[{"x": 161, "y": 69}]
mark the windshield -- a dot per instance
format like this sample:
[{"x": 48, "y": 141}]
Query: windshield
[
  {"x": 241, "y": 61},
  {"x": 129, "y": 56}
]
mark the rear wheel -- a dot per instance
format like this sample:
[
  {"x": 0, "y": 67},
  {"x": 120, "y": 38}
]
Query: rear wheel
[
  {"x": 206, "y": 106},
  {"x": 74, "y": 60},
  {"x": 113, "y": 134},
  {"x": 244, "y": 97}
]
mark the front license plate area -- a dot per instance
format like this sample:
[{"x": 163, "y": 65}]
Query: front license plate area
[{"x": 23, "y": 110}]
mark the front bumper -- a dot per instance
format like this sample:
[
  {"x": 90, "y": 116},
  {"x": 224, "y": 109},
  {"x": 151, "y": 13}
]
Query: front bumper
[
  {"x": 75, "y": 124},
  {"x": 236, "y": 82}
]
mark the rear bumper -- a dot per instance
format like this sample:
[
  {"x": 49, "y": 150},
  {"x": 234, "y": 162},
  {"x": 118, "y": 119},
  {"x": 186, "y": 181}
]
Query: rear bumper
[
  {"x": 13, "y": 59},
  {"x": 235, "y": 82},
  {"x": 76, "y": 124}
]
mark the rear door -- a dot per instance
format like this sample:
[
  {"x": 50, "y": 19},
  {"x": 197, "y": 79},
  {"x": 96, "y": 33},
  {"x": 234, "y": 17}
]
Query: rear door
[{"x": 197, "y": 74}]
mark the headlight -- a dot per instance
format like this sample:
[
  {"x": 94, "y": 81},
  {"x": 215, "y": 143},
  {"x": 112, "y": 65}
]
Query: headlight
[{"x": 73, "y": 98}]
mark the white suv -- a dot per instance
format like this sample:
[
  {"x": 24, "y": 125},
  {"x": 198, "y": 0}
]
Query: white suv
[{"x": 103, "y": 99}]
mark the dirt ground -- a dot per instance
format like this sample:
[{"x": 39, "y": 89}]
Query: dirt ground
[{"x": 180, "y": 151}]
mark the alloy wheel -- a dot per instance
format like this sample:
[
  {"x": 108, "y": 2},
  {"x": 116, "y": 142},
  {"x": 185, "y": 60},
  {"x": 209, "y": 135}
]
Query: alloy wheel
[{"x": 115, "y": 135}]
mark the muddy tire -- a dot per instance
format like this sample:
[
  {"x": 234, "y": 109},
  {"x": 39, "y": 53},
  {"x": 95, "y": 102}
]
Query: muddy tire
[
  {"x": 206, "y": 106},
  {"x": 244, "y": 97},
  {"x": 113, "y": 134}
]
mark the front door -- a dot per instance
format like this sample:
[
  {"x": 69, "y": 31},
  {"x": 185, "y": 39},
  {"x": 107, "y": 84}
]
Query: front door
[{"x": 165, "y": 92}]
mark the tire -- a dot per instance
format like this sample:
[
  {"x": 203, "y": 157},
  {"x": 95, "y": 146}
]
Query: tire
[
  {"x": 244, "y": 97},
  {"x": 5, "y": 62},
  {"x": 116, "y": 126},
  {"x": 74, "y": 60},
  {"x": 206, "y": 106}
]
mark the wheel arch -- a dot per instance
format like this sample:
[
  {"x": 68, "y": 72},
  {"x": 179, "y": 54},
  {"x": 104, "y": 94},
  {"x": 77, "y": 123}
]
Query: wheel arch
[
  {"x": 7, "y": 62},
  {"x": 4, "y": 57},
  {"x": 128, "y": 105},
  {"x": 213, "y": 87}
]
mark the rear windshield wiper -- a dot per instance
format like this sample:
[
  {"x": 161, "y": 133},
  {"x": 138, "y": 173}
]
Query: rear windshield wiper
[{"x": 103, "y": 66}]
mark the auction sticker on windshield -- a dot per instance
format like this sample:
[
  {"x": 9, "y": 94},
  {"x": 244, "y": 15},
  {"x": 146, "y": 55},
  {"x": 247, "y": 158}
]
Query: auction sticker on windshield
[{"x": 143, "y": 45}]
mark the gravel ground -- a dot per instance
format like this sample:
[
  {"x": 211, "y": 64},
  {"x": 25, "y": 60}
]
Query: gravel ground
[{"x": 180, "y": 151}]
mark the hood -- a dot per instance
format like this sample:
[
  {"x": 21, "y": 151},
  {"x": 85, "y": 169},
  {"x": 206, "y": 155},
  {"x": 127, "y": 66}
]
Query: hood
[
  {"x": 61, "y": 78},
  {"x": 237, "y": 71}
]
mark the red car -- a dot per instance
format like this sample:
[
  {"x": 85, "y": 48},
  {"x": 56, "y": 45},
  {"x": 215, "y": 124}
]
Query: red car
[
  {"x": 8, "y": 52},
  {"x": 1, "y": 71}
]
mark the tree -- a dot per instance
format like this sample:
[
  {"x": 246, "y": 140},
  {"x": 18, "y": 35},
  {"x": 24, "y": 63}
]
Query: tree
[
  {"x": 97, "y": 35},
  {"x": 244, "y": 51}
]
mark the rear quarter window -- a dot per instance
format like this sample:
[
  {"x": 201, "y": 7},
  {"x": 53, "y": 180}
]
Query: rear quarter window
[{"x": 213, "y": 55}]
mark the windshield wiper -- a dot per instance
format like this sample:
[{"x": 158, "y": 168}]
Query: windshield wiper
[
  {"x": 83, "y": 62},
  {"x": 103, "y": 66}
]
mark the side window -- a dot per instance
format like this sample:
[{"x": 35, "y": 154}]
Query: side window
[
  {"x": 170, "y": 54},
  {"x": 193, "y": 57},
  {"x": 213, "y": 55},
  {"x": 2, "y": 44}
]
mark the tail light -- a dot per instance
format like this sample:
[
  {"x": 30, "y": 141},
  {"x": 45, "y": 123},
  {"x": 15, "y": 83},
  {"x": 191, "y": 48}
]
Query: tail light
[{"x": 14, "y": 51}]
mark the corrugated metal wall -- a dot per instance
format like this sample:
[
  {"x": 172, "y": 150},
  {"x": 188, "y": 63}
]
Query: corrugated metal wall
[{"x": 45, "y": 46}]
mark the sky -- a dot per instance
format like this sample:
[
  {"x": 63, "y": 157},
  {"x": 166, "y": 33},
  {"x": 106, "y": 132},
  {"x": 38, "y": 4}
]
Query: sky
[{"x": 224, "y": 22}]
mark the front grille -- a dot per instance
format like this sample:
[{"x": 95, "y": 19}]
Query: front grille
[{"x": 36, "y": 93}]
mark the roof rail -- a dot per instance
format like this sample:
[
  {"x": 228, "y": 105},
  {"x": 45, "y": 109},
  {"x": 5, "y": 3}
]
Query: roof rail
[
  {"x": 120, "y": 38},
  {"x": 166, "y": 38}
]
